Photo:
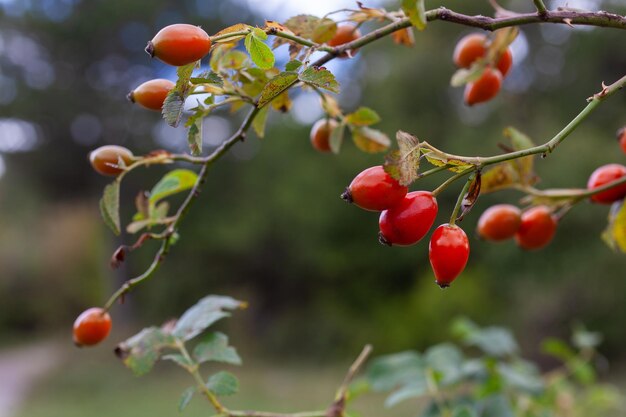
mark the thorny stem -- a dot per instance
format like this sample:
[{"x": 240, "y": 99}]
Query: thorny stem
[
  {"x": 541, "y": 7},
  {"x": 561, "y": 16},
  {"x": 336, "y": 409}
]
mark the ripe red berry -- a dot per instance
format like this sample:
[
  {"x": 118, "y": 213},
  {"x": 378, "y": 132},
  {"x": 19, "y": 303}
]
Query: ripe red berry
[
  {"x": 373, "y": 189},
  {"x": 345, "y": 33},
  {"x": 106, "y": 159},
  {"x": 179, "y": 44},
  {"x": 91, "y": 327},
  {"x": 604, "y": 175},
  {"x": 408, "y": 222},
  {"x": 483, "y": 89},
  {"x": 448, "y": 253},
  {"x": 621, "y": 137},
  {"x": 499, "y": 222},
  {"x": 474, "y": 46},
  {"x": 537, "y": 229},
  {"x": 151, "y": 94},
  {"x": 320, "y": 134}
]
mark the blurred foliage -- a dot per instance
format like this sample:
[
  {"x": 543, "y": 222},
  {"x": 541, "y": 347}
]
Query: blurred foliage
[{"x": 269, "y": 227}]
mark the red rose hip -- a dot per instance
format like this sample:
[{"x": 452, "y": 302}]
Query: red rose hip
[
  {"x": 621, "y": 137},
  {"x": 345, "y": 33},
  {"x": 537, "y": 228},
  {"x": 408, "y": 222},
  {"x": 374, "y": 190},
  {"x": 91, "y": 327},
  {"x": 473, "y": 47},
  {"x": 151, "y": 94},
  {"x": 106, "y": 159},
  {"x": 483, "y": 89},
  {"x": 320, "y": 134},
  {"x": 604, "y": 175},
  {"x": 499, "y": 222},
  {"x": 448, "y": 253},
  {"x": 179, "y": 44}
]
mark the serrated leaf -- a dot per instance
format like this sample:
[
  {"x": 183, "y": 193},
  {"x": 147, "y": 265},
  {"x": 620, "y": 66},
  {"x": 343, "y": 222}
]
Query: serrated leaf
[
  {"x": 388, "y": 372},
  {"x": 276, "y": 86},
  {"x": 178, "y": 359},
  {"x": 320, "y": 77},
  {"x": 439, "y": 159},
  {"x": 110, "y": 206},
  {"x": 282, "y": 103},
  {"x": 336, "y": 138},
  {"x": 203, "y": 314},
  {"x": 239, "y": 27},
  {"x": 173, "y": 105},
  {"x": 185, "y": 398},
  {"x": 214, "y": 347},
  {"x": 258, "y": 124},
  {"x": 223, "y": 384},
  {"x": 207, "y": 77},
  {"x": 194, "y": 136},
  {"x": 416, "y": 12},
  {"x": 260, "y": 53},
  {"x": 173, "y": 182},
  {"x": 370, "y": 140},
  {"x": 403, "y": 164},
  {"x": 363, "y": 116},
  {"x": 615, "y": 233},
  {"x": 293, "y": 65},
  {"x": 140, "y": 352}
]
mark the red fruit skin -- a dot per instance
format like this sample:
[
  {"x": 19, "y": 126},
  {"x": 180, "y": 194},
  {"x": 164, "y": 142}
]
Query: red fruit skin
[
  {"x": 408, "y": 222},
  {"x": 375, "y": 190},
  {"x": 448, "y": 253},
  {"x": 320, "y": 134},
  {"x": 180, "y": 44},
  {"x": 537, "y": 229},
  {"x": 345, "y": 33},
  {"x": 474, "y": 46},
  {"x": 105, "y": 159},
  {"x": 483, "y": 89},
  {"x": 499, "y": 222},
  {"x": 91, "y": 327},
  {"x": 151, "y": 94},
  {"x": 604, "y": 175},
  {"x": 469, "y": 49}
]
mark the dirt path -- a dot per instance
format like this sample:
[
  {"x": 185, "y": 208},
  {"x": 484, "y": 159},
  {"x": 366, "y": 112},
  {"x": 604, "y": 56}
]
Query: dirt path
[{"x": 20, "y": 368}]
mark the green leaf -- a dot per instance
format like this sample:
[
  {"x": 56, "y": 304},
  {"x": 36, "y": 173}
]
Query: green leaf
[
  {"x": 415, "y": 388},
  {"x": 214, "y": 347},
  {"x": 207, "y": 77},
  {"x": 258, "y": 124},
  {"x": 584, "y": 339},
  {"x": 185, "y": 398},
  {"x": 495, "y": 341},
  {"x": 388, "y": 372},
  {"x": 522, "y": 376},
  {"x": 582, "y": 371},
  {"x": 403, "y": 164},
  {"x": 336, "y": 138},
  {"x": 260, "y": 53},
  {"x": 293, "y": 65},
  {"x": 370, "y": 140},
  {"x": 464, "y": 411},
  {"x": 203, "y": 314},
  {"x": 446, "y": 360},
  {"x": 320, "y": 77},
  {"x": 439, "y": 159},
  {"x": 496, "y": 406},
  {"x": 276, "y": 86},
  {"x": 175, "y": 101},
  {"x": 140, "y": 352},
  {"x": 178, "y": 359},
  {"x": 239, "y": 27},
  {"x": 223, "y": 384},
  {"x": 324, "y": 31},
  {"x": 363, "y": 116},
  {"x": 172, "y": 183},
  {"x": 558, "y": 349},
  {"x": 110, "y": 206},
  {"x": 523, "y": 166},
  {"x": 615, "y": 233},
  {"x": 416, "y": 12},
  {"x": 194, "y": 136},
  {"x": 234, "y": 60}
]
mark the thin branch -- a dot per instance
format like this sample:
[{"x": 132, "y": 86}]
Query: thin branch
[
  {"x": 459, "y": 200},
  {"x": 541, "y": 7},
  {"x": 338, "y": 406}
]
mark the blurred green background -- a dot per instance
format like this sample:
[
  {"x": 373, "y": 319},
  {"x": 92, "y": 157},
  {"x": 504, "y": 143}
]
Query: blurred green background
[{"x": 270, "y": 227}]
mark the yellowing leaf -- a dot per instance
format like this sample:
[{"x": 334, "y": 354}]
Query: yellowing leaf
[
  {"x": 276, "y": 86},
  {"x": 499, "y": 177},
  {"x": 370, "y": 140},
  {"x": 110, "y": 206},
  {"x": 615, "y": 233},
  {"x": 404, "y": 37},
  {"x": 416, "y": 12},
  {"x": 320, "y": 77},
  {"x": 239, "y": 27},
  {"x": 439, "y": 159},
  {"x": 403, "y": 164}
]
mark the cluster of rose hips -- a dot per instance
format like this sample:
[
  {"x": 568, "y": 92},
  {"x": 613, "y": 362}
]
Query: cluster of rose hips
[
  {"x": 406, "y": 217},
  {"x": 467, "y": 51}
]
